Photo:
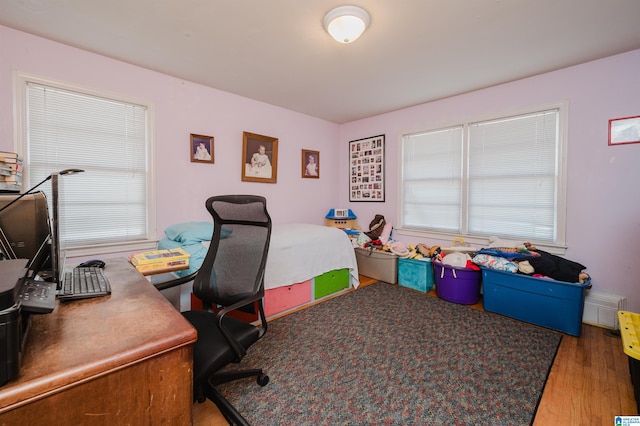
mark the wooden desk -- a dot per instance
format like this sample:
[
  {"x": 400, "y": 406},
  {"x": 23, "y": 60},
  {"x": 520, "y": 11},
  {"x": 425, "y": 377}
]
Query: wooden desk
[{"x": 122, "y": 359}]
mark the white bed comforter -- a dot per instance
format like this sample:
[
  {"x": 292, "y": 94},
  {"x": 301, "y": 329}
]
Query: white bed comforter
[{"x": 299, "y": 252}]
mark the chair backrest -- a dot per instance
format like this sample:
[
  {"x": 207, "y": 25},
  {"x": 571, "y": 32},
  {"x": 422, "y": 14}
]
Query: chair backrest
[{"x": 233, "y": 269}]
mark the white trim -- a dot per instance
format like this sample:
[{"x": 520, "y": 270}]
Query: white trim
[
  {"x": 99, "y": 249},
  {"x": 472, "y": 240},
  {"x": 20, "y": 81},
  {"x": 559, "y": 246}
]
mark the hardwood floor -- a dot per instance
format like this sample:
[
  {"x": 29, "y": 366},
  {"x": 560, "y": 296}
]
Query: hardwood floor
[{"x": 589, "y": 382}]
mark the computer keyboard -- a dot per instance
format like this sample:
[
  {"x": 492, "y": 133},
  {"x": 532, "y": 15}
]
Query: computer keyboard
[{"x": 83, "y": 283}]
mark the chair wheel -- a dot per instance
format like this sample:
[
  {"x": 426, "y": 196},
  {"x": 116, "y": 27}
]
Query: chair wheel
[{"x": 262, "y": 379}]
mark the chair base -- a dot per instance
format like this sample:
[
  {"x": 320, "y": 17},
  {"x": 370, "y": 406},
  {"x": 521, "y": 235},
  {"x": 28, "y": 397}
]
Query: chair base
[{"x": 209, "y": 391}]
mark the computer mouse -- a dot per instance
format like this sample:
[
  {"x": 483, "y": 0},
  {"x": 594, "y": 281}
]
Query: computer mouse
[{"x": 95, "y": 263}]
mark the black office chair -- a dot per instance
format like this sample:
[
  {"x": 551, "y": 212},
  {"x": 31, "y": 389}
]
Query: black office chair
[{"x": 230, "y": 278}]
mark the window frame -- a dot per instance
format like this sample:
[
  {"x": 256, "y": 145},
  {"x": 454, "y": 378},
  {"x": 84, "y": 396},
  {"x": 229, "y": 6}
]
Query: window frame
[
  {"x": 556, "y": 247},
  {"x": 20, "y": 83}
]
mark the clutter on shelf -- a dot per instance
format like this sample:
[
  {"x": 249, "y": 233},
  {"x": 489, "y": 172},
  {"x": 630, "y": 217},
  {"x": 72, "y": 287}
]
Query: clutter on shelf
[{"x": 10, "y": 172}]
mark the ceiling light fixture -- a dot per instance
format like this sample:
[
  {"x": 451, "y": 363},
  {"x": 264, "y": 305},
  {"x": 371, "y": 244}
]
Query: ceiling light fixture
[{"x": 346, "y": 23}]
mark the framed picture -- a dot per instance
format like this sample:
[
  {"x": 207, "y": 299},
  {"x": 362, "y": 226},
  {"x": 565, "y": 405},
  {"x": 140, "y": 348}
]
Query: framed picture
[
  {"x": 366, "y": 169},
  {"x": 624, "y": 130},
  {"x": 201, "y": 149},
  {"x": 310, "y": 164},
  {"x": 259, "y": 158}
]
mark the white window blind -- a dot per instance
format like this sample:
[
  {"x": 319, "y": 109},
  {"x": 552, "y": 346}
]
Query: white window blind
[
  {"x": 500, "y": 177},
  {"x": 432, "y": 179},
  {"x": 108, "y": 203},
  {"x": 513, "y": 176}
]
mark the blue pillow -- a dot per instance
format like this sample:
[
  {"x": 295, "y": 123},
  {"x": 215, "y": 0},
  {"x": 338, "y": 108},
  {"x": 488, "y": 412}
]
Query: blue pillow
[{"x": 193, "y": 232}]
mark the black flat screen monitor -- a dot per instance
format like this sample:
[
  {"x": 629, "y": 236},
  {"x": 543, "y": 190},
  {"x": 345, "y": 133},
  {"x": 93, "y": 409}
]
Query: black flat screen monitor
[{"x": 27, "y": 230}]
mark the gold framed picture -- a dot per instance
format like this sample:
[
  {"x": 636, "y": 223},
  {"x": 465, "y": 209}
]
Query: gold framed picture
[
  {"x": 310, "y": 164},
  {"x": 259, "y": 158},
  {"x": 201, "y": 149}
]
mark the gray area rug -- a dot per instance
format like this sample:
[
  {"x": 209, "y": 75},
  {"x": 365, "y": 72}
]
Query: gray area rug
[{"x": 388, "y": 355}]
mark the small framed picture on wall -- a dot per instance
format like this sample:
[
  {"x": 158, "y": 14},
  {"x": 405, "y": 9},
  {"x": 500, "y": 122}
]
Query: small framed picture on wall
[
  {"x": 201, "y": 149},
  {"x": 624, "y": 130},
  {"x": 366, "y": 169},
  {"x": 310, "y": 164}
]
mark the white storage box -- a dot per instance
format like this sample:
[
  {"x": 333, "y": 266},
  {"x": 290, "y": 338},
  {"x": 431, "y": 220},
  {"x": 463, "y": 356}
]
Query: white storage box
[{"x": 376, "y": 264}]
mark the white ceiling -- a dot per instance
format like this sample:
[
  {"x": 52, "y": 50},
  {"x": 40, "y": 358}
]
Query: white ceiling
[{"x": 277, "y": 51}]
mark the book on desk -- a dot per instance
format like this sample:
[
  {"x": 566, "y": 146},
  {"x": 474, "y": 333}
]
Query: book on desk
[{"x": 160, "y": 261}]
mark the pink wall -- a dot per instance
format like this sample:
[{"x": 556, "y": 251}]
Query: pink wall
[
  {"x": 183, "y": 108},
  {"x": 603, "y": 205}
]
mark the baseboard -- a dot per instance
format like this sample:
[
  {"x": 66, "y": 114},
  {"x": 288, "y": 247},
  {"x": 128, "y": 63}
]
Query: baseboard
[{"x": 600, "y": 309}]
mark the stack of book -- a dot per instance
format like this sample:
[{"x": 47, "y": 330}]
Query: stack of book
[
  {"x": 10, "y": 172},
  {"x": 159, "y": 261}
]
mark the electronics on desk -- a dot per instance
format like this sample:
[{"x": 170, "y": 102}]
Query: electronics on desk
[
  {"x": 38, "y": 297},
  {"x": 84, "y": 282},
  {"x": 27, "y": 231},
  {"x": 30, "y": 267},
  {"x": 12, "y": 272},
  {"x": 95, "y": 263}
]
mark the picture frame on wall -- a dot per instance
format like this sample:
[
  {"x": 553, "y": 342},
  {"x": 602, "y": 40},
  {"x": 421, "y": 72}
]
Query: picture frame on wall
[
  {"x": 366, "y": 169},
  {"x": 201, "y": 149},
  {"x": 259, "y": 158},
  {"x": 624, "y": 130},
  {"x": 310, "y": 164}
]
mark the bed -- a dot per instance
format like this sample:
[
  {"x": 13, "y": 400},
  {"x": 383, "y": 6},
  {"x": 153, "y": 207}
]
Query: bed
[{"x": 306, "y": 262}]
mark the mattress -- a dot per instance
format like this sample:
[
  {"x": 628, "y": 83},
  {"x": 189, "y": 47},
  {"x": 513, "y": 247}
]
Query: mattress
[{"x": 298, "y": 252}]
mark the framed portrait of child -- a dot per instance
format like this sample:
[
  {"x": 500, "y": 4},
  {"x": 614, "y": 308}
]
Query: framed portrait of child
[
  {"x": 310, "y": 164},
  {"x": 201, "y": 149},
  {"x": 259, "y": 158}
]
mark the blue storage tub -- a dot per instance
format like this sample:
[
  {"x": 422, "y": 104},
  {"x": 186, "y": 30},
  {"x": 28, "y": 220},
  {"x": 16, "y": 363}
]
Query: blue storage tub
[
  {"x": 415, "y": 274},
  {"x": 557, "y": 305}
]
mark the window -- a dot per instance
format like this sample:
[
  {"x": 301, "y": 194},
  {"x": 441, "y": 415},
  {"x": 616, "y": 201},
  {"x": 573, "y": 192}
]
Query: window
[
  {"x": 108, "y": 207},
  {"x": 502, "y": 177}
]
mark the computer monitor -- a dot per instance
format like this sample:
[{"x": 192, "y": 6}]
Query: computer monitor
[
  {"x": 57, "y": 255},
  {"x": 27, "y": 232}
]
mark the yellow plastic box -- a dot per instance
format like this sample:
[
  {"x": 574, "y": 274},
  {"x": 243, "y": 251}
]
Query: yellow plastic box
[{"x": 630, "y": 333}]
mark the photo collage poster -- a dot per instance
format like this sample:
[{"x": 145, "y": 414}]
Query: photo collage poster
[{"x": 366, "y": 161}]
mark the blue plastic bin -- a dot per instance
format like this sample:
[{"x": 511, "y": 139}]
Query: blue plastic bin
[{"x": 557, "y": 305}]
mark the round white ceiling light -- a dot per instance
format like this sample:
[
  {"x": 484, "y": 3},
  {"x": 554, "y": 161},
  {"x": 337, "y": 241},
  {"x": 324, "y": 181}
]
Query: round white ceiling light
[{"x": 346, "y": 23}]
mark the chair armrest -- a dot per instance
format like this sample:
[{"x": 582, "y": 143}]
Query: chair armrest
[
  {"x": 237, "y": 348},
  {"x": 175, "y": 282}
]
